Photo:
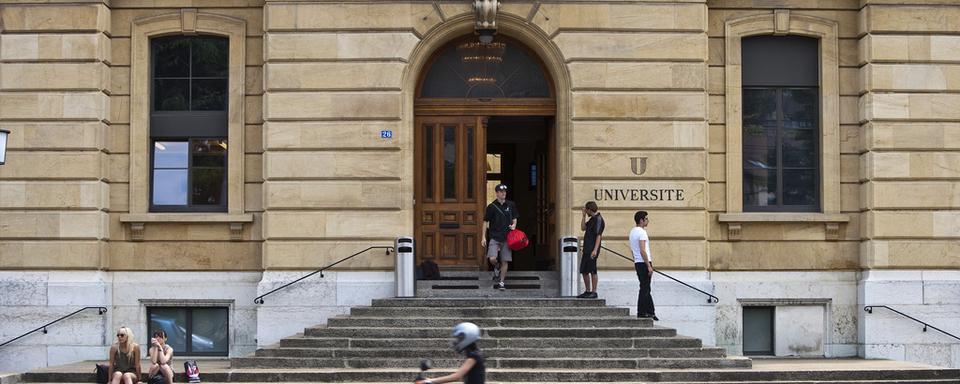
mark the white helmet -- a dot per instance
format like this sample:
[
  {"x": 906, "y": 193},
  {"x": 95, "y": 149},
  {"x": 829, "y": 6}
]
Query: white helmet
[{"x": 464, "y": 334}]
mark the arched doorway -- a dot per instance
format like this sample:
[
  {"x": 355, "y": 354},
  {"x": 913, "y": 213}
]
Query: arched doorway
[{"x": 483, "y": 115}]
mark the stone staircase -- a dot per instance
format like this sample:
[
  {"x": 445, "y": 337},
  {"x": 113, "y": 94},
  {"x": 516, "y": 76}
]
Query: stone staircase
[
  {"x": 525, "y": 340},
  {"x": 518, "y": 334},
  {"x": 474, "y": 283}
]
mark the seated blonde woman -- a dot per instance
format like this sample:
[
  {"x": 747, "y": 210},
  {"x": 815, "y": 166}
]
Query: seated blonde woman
[
  {"x": 161, "y": 355},
  {"x": 124, "y": 358}
]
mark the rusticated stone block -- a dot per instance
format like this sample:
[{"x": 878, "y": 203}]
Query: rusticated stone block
[
  {"x": 332, "y": 194},
  {"x": 338, "y": 225},
  {"x": 305, "y": 46},
  {"x": 659, "y": 164},
  {"x": 636, "y": 105},
  {"x": 52, "y": 165},
  {"x": 908, "y": 254},
  {"x": 54, "y": 76},
  {"x": 48, "y": 47},
  {"x": 911, "y": 135},
  {"x": 621, "y": 45},
  {"x": 306, "y": 16},
  {"x": 654, "y": 134},
  {"x": 783, "y": 255},
  {"x": 54, "y": 106},
  {"x": 333, "y": 76},
  {"x": 326, "y": 105},
  {"x": 327, "y": 164},
  {"x": 49, "y": 254},
  {"x": 55, "y": 17},
  {"x": 635, "y": 16},
  {"x": 331, "y": 135}
]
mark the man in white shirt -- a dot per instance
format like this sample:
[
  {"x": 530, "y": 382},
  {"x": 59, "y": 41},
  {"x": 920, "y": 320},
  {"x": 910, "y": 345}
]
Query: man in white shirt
[{"x": 643, "y": 263}]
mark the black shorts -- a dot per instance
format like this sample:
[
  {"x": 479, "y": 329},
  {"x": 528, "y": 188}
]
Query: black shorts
[{"x": 588, "y": 264}]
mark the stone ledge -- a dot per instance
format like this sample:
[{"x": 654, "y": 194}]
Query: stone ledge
[
  {"x": 138, "y": 221},
  {"x": 831, "y": 221}
]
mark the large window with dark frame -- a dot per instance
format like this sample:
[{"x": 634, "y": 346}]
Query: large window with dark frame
[
  {"x": 781, "y": 124},
  {"x": 188, "y": 123},
  {"x": 192, "y": 331}
]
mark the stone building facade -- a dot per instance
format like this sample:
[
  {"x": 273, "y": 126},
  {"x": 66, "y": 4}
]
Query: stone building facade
[{"x": 321, "y": 127}]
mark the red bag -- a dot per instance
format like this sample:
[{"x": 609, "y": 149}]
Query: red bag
[{"x": 517, "y": 240}]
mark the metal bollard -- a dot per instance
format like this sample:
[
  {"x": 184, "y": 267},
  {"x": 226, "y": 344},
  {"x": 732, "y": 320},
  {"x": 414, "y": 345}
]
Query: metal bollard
[
  {"x": 404, "y": 268},
  {"x": 569, "y": 246}
]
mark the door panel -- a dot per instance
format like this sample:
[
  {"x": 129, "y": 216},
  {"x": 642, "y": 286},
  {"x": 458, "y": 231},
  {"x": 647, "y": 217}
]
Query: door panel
[{"x": 448, "y": 179}]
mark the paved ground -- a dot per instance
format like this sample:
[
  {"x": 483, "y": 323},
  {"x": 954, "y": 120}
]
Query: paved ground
[{"x": 759, "y": 364}]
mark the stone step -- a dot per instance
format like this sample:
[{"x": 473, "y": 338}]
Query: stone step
[
  {"x": 542, "y": 342},
  {"x": 479, "y": 312},
  {"x": 493, "y": 362},
  {"x": 510, "y": 322},
  {"x": 435, "y": 353},
  {"x": 488, "y": 302},
  {"x": 380, "y": 375},
  {"x": 491, "y": 332}
]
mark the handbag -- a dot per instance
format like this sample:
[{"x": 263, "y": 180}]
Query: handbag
[
  {"x": 517, "y": 240},
  {"x": 192, "y": 371}
]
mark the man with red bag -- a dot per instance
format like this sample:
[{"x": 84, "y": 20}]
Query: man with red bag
[{"x": 500, "y": 218}]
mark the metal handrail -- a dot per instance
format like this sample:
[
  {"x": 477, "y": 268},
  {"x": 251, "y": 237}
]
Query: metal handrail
[
  {"x": 259, "y": 299},
  {"x": 869, "y": 309},
  {"x": 100, "y": 311},
  {"x": 711, "y": 299}
]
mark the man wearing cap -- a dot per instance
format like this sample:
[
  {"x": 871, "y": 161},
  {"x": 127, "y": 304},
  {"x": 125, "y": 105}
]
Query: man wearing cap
[{"x": 500, "y": 218}]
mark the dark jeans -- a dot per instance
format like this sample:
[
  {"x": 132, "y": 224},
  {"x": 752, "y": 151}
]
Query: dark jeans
[{"x": 644, "y": 300}]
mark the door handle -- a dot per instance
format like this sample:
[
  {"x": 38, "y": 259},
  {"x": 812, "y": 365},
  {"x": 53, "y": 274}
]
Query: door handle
[{"x": 449, "y": 225}]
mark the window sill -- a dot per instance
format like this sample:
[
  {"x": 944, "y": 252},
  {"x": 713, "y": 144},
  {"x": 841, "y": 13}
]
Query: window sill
[
  {"x": 138, "y": 221},
  {"x": 831, "y": 221}
]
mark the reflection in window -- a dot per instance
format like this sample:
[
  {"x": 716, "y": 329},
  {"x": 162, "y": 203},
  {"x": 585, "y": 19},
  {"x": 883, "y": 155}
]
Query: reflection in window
[
  {"x": 189, "y": 173},
  {"x": 781, "y": 127},
  {"x": 200, "y": 331},
  {"x": 190, "y": 73}
]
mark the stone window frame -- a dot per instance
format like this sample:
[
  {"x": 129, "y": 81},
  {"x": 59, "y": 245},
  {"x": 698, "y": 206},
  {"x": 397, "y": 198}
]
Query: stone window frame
[
  {"x": 826, "y": 303},
  {"x": 229, "y": 304},
  {"x": 187, "y": 21},
  {"x": 781, "y": 22}
]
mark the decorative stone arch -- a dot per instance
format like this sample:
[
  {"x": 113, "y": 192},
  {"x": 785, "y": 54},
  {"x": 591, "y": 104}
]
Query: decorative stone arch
[
  {"x": 185, "y": 22},
  {"x": 782, "y": 22},
  {"x": 518, "y": 28}
]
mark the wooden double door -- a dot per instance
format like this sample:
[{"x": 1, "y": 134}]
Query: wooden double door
[{"x": 450, "y": 189}]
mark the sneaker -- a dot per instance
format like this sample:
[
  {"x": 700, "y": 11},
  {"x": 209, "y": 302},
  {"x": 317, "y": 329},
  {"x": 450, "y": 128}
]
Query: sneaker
[
  {"x": 592, "y": 295},
  {"x": 583, "y": 295},
  {"x": 654, "y": 317},
  {"x": 501, "y": 287}
]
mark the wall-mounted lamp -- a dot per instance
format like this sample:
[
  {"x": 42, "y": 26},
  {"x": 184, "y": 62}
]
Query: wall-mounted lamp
[{"x": 3, "y": 145}]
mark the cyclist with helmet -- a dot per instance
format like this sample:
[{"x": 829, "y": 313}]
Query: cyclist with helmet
[{"x": 473, "y": 370}]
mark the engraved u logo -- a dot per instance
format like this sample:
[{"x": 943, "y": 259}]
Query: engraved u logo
[{"x": 638, "y": 165}]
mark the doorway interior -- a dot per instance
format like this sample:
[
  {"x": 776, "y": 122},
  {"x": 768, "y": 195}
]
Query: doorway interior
[{"x": 518, "y": 155}]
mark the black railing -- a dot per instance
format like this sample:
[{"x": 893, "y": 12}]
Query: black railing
[
  {"x": 869, "y": 309},
  {"x": 711, "y": 299},
  {"x": 43, "y": 328},
  {"x": 259, "y": 299}
]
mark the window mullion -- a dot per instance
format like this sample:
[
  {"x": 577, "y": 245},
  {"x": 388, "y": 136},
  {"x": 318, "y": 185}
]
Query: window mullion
[{"x": 780, "y": 202}]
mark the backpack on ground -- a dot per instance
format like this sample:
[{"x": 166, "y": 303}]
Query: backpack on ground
[
  {"x": 430, "y": 270},
  {"x": 103, "y": 373},
  {"x": 192, "y": 371}
]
